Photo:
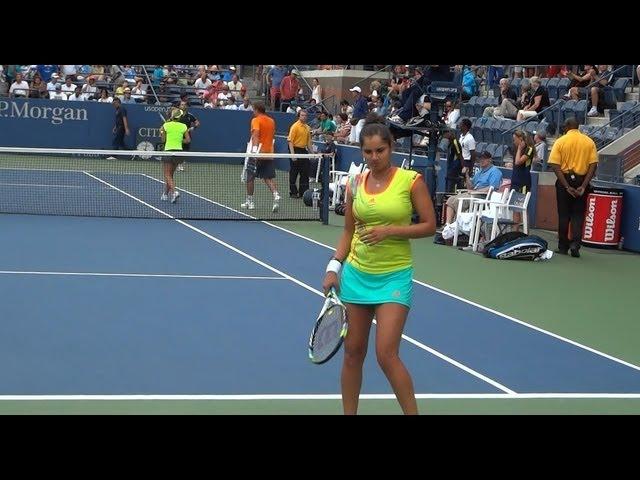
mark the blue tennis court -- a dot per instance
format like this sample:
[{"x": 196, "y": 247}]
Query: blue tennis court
[{"x": 101, "y": 306}]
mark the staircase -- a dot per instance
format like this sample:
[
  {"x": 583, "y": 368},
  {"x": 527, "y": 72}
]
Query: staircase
[{"x": 631, "y": 93}]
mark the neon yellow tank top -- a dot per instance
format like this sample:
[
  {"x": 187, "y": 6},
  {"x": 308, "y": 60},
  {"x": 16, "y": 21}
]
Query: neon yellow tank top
[
  {"x": 174, "y": 132},
  {"x": 391, "y": 207}
]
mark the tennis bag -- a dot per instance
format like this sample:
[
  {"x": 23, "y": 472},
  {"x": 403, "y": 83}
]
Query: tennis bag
[{"x": 515, "y": 246}]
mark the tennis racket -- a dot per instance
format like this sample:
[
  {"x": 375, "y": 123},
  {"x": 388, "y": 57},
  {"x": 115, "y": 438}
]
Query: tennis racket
[
  {"x": 249, "y": 163},
  {"x": 329, "y": 330}
]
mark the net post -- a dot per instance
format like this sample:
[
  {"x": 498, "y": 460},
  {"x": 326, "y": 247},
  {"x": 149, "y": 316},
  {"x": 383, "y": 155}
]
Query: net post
[{"x": 324, "y": 211}]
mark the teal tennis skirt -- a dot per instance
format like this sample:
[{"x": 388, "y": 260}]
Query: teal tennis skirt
[{"x": 363, "y": 288}]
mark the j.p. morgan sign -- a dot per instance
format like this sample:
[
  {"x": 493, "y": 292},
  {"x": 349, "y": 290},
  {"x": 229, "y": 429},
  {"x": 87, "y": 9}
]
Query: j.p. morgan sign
[{"x": 54, "y": 115}]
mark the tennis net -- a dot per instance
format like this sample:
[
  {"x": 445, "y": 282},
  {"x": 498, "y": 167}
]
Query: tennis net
[{"x": 105, "y": 183}]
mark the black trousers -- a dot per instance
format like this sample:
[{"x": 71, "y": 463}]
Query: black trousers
[
  {"x": 570, "y": 211},
  {"x": 118, "y": 139},
  {"x": 298, "y": 167}
]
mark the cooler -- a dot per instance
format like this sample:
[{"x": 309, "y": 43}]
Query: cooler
[{"x": 603, "y": 213}]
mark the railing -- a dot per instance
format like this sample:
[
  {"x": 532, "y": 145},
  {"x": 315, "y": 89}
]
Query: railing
[
  {"x": 150, "y": 84},
  {"x": 541, "y": 114},
  {"x": 602, "y": 135}
]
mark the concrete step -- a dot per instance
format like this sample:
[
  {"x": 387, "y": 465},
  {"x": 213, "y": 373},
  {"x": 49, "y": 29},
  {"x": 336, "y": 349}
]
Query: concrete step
[
  {"x": 632, "y": 96},
  {"x": 598, "y": 120}
]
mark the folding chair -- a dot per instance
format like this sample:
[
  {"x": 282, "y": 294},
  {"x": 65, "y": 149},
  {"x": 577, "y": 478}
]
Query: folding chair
[
  {"x": 461, "y": 204},
  {"x": 501, "y": 216},
  {"x": 339, "y": 180}
]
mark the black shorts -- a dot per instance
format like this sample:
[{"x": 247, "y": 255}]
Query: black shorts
[
  {"x": 264, "y": 169},
  {"x": 175, "y": 160}
]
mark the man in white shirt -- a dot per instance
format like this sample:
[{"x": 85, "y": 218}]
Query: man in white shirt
[
  {"x": 202, "y": 84},
  {"x": 89, "y": 89},
  {"x": 235, "y": 86},
  {"x": 246, "y": 105},
  {"x": 51, "y": 86},
  {"x": 77, "y": 96},
  {"x": 58, "y": 95},
  {"x": 468, "y": 144},
  {"x": 19, "y": 88},
  {"x": 68, "y": 88},
  {"x": 231, "y": 103}
]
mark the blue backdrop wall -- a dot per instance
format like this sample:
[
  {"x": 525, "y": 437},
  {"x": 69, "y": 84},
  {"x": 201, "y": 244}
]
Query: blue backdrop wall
[{"x": 60, "y": 124}]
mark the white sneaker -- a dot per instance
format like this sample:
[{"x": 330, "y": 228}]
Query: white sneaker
[
  {"x": 181, "y": 167},
  {"x": 164, "y": 197},
  {"x": 593, "y": 112},
  {"x": 111, "y": 158},
  {"x": 174, "y": 196},
  {"x": 248, "y": 204},
  {"x": 276, "y": 203}
]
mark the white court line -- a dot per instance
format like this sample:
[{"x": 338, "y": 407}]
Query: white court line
[
  {"x": 296, "y": 281},
  {"x": 487, "y": 309},
  {"x": 151, "y": 275},
  {"x": 337, "y": 396},
  {"x": 203, "y": 198},
  {"x": 40, "y": 185}
]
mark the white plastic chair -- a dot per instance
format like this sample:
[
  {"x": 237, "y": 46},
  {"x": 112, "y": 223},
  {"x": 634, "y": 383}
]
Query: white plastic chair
[
  {"x": 339, "y": 179},
  {"x": 461, "y": 204},
  {"x": 500, "y": 215}
]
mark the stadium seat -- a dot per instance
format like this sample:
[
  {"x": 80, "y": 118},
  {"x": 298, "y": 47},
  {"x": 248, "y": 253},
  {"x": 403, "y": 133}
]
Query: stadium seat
[
  {"x": 580, "y": 111},
  {"x": 566, "y": 111},
  {"x": 563, "y": 87},
  {"x": 467, "y": 109},
  {"x": 498, "y": 155},
  {"x": 515, "y": 84},
  {"x": 486, "y": 129},
  {"x": 552, "y": 88},
  {"x": 619, "y": 87},
  {"x": 531, "y": 127}
]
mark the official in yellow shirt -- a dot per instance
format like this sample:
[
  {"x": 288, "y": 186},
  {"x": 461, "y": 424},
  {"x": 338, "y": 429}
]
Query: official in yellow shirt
[
  {"x": 299, "y": 142},
  {"x": 574, "y": 159}
]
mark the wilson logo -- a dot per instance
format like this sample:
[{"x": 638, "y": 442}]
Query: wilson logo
[{"x": 588, "y": 221}]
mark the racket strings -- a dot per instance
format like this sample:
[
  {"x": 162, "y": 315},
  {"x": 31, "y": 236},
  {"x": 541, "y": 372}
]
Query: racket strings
[{"x": 329, "y": 333}]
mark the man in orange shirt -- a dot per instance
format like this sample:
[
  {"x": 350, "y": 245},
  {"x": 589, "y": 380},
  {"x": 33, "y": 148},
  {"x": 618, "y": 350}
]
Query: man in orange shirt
[{"x": 263, "y": 129}]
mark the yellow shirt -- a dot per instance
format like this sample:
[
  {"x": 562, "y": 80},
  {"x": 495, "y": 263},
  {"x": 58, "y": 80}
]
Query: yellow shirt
[
  {"x": 574, "y": 152},
  {"x": 299, "y": 134},
  {"x": 391, "y": 207}
]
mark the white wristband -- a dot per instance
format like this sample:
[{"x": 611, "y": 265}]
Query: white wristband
[{"x": 334, "y": 266}]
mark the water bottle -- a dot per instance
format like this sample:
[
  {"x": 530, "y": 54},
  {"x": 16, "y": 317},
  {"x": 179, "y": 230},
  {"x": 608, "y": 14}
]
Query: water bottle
[{"x": 315, "y": 196}]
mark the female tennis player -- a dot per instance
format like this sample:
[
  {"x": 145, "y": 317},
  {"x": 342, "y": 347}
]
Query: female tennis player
[
  {"x": 174, "y": 133},
  {"x": 378, "y": 268}
]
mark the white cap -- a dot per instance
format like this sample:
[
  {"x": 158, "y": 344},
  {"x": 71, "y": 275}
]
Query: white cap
[
  {"x": 374, "y": 93},
  {"x": 356, "y": 89}
]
